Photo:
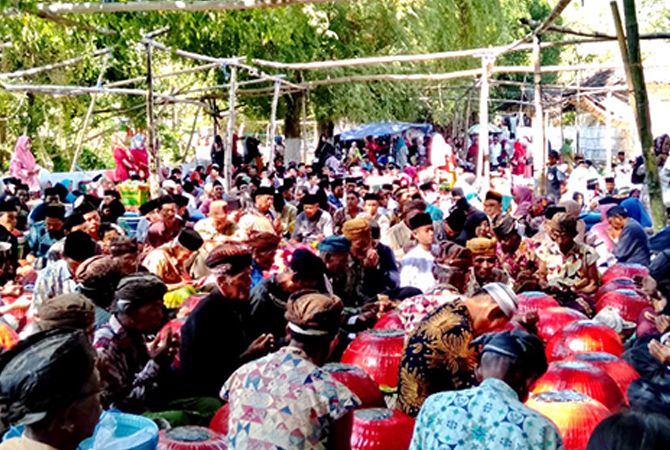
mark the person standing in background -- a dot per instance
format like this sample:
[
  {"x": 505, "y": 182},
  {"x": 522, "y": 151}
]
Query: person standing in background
[{"x": 23, "y": 165}]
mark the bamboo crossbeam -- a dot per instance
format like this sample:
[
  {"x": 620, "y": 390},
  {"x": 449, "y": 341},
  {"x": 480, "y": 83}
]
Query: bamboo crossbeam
[
  {"x": 450, "y": 75},
  {"x": 566, "y": 30},
  {"x": 168, "y": 5},
  {"x": 65, "y": 63},
  {"x": 163, "y": 75},
  {"x": 236, "y": 62},
  {"x": 72, "y": 23},
  {"x": 223, "y": 86},
  {"x": 86, "y": 90},
  {"x": 430, "y": 57}
]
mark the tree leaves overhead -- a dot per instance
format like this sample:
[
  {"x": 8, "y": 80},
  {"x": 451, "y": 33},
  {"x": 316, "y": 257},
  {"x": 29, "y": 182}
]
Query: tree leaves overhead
[{"x": 290, "y": 34}]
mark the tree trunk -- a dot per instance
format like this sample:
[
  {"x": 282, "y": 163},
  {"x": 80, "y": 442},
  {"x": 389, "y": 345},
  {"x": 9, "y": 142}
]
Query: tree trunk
[
  {"x": 643, "y": 117},
  {"x": 293, "y": 126}
]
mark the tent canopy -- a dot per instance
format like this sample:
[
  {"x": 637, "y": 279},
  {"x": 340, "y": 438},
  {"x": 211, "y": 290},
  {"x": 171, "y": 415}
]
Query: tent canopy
[{"x": 383, "y": 129}]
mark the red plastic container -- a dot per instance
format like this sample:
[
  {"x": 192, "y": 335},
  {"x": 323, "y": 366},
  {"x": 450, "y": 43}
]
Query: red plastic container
[
  {"x": 378, "y": 353},
  {"x": 628, "y": 302},
  {"x": 535, "y": 301},
  {"x": 191, "y": 438},
  {"x": 389, "y": 321},
  {"x": 619, "y": 370},
  {"x": 581, "y": 377},
  {"x": 219, "y": 422},
  {"x": 358, "y": 382},
  {"x": 574, "y": 414},
  {"x": 583, "y": 336},
  {"x": 615, "y": 284},
  {"x": 551, "y": 320},
  {"x": 381, "y": 429},
  {"x": 631, "y": 271}
]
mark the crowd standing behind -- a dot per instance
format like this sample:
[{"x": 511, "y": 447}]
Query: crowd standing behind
[{"x": 240, "y": 298}]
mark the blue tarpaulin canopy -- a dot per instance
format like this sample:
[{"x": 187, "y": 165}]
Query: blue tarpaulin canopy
[{"x": 383, "y": 129}]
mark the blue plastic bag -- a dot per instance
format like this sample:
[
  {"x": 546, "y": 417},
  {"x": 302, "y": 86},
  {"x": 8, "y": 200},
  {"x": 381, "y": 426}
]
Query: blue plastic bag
[{"x": 116, "y": 430}]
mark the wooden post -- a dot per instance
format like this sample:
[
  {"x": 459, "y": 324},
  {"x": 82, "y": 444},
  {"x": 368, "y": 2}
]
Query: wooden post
[
  {"x": 539, "y": 155},
  {"x": 303, "y": 128},
  {"x": 87, "y": 118},
  {"x": 273, "y": 122},
  {"x": 466, "y": 124},
  {"x": 483, "y": 164},
  {"x": 633, "y": 66},
  {"x": 154, "y": 162},
  {"x": 609, "y": 132},
  {"x": 228, "y": 168}
]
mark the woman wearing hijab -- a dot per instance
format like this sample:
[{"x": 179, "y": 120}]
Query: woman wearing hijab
[
  {"x": 523, "y": 197},
  {"x": 23, "y": 165},
  {"x": 124, "y": 160}
]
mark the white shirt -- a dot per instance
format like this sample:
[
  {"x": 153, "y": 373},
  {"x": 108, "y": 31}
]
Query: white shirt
[{"x": 417, "y": 269}]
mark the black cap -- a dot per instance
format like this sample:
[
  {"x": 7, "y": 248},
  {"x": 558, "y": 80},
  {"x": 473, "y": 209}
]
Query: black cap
[
  {"x": 190, "y": 239},
  {"x": 310, "y": 199},
  {"x": 149, "y": 206},
  {"x": 419, "y": 220},
  {"x": 73, "y": 220},
  {"x": 264, "y": 190},
  {"x": 372, "y": 196},
  {"x": 55, "y": 211}
]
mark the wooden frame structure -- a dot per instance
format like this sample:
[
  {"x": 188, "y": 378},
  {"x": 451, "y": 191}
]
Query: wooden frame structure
[{"x": 281, "y": 85}]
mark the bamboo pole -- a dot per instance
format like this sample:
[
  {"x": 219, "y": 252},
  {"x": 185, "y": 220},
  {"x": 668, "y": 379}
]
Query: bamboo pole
[
  {"x": 228, "y": 169},
  {"x": 221, "y": 61},
  {"x": 71, "y": 23},
  {"x": 190, "y": 136},
  {"x": 483, "y": 163},
  {"x": 87, "y": 90},
  {"x": 546, "y": 23},
  {"x": 538, "y": 120},
  {"x": 154, "y": 162},
  {"x": 468, "y": 112},
  {"x": 273, "y": 122},
  {"x": 623, "y": 49},
  {"x": 163, "y": 75},
  {"x": 89, "y": 112},
  {"x": 303, "y": 127},
  {"x": 454, "y": 75},
  {"x": 47, "y": 67},
  {"x": 167, "y": 5},
  {"x": 633, "y": 63}
]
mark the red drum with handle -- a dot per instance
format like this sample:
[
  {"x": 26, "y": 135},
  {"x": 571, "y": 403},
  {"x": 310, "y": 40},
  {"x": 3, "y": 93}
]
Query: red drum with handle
[
  {"x": 378, "y": 353},
  {"x": 583, "y": 336},
  {"x": 574, "y": 414}
]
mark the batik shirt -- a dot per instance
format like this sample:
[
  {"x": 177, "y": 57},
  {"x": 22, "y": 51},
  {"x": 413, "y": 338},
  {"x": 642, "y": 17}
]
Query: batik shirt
[
  {"x": 414, "y": 309},
  {"x": 127, "y": 374},
  {"x": 523, "y": 259},
  {"x": 568, "y": 270},
  {"x": 55, "y": 279},
  {"x": 437, "y": 357},
  {"x": 284, "y": 401},
  {"x": 487, "y": 417}
]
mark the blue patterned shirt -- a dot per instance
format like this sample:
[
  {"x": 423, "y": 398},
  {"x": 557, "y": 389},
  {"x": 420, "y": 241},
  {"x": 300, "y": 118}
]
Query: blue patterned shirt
[{"x": 487, "y": 417}]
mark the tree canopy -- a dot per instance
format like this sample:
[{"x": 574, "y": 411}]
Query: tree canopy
[{"x": 290, "y": 34}]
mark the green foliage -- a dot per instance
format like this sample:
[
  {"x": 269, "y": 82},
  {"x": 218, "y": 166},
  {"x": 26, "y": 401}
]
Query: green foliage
[{"x": 292, "y": 34}]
